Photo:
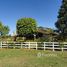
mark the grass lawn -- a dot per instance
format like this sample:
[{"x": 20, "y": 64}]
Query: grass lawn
[{"x": 32, "y": 58}]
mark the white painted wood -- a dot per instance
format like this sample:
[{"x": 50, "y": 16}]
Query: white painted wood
[
  {"x": 29, "y": 45},
  {"x": 53, "y": 46},
  {"x": 44, "y": 46},
  {"x": 1, "y": 44},
  {"x": 36, "y": 45},
  {"x": 62, "y": 49},
  {"x": 21, "y": 45}
]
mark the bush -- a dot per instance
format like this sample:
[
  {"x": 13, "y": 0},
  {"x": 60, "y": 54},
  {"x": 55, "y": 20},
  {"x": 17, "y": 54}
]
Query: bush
[{"x": 42, "y": 39}]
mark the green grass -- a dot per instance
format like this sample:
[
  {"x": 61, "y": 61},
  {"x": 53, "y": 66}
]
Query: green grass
[{"x": 30, "y": 58}]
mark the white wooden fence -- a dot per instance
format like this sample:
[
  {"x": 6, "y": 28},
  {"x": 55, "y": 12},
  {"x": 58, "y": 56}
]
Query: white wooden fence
[{"x": 35, "y": 45}]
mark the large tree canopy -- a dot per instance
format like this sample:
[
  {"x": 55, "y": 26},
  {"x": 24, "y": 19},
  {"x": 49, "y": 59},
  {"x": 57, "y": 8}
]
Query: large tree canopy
[
  {"x": 26, "y": 26},
  {"x": 61, "y": 23},
  {"x": 4, "y": 30}
]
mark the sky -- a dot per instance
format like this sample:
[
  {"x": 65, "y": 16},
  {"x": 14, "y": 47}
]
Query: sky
[{"x": 45, "y": 12}]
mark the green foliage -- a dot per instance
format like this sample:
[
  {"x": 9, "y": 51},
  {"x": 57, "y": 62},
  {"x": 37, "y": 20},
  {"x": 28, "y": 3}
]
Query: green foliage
[
  {"x": 61, "y": 23},
  {"x": 43, "y": 39},
  {"x": 26, "y": 26},
  {"x": 20, "y": 39},
  {"x": 4, "y": 30}
]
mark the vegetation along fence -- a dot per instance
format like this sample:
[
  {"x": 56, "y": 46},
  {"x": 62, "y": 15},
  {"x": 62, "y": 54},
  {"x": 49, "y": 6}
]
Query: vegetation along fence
[{"x": 35, "y": 45}]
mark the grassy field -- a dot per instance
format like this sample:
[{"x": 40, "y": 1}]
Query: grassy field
[{"x": 32, "y": 58}]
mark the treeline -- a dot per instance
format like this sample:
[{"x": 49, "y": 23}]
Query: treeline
[{"x": 27, "y": 28}]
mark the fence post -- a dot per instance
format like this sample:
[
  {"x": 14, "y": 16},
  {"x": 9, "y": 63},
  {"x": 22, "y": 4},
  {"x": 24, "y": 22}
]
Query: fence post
[
  {"x": 29, "y": 45},
  {"x": 44, "y": 46},
  {"x": 53, "y": 46},
  {"x": 1, "y": 44},
  {"x": 7, "y": 44},
  {"x": 62, "y": 49},
  {"x": 36, "y": 45},
  {"x": 21, "y": 44}
]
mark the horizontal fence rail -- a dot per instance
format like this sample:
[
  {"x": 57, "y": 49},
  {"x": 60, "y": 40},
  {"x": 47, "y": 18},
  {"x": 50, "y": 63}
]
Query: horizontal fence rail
[{"x": 35, "y": 45}]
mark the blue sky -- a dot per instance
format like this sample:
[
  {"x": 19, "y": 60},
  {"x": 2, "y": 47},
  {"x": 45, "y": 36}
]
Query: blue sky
[{"x": 44, "y": 11}]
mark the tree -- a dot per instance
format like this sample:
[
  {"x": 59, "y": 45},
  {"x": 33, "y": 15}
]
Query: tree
[
  {"x": 26, "y": 26},
  {"x": 4, "y": 30},
  {"x": 61, "y": 23},
  {"x": 1, "y": 28}
]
